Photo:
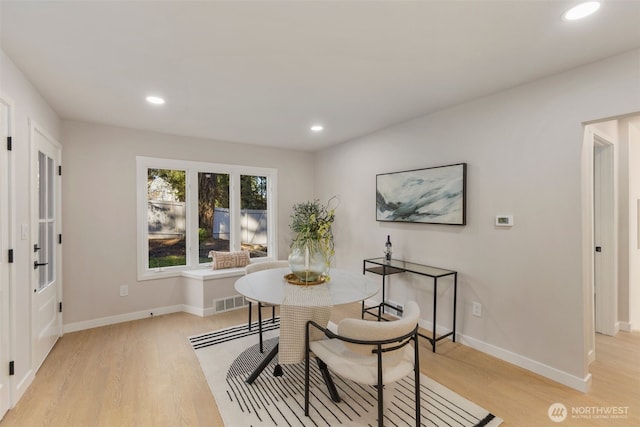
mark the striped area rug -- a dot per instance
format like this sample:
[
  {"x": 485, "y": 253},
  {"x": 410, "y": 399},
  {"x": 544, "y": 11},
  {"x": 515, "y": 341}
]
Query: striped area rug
[{"x": 228, "y": 356}]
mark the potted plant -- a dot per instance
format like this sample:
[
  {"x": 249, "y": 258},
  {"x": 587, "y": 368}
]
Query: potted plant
[{"x": 312, "y": 246}]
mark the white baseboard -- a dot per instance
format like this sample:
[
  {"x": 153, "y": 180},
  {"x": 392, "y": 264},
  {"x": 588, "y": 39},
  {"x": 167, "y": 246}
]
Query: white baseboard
[
  {"x": 127, "y": 317},
  {"x": 580, "y": 384},
  {"x": 22, "y": 386},
  {"x": 625, "y": 326}
]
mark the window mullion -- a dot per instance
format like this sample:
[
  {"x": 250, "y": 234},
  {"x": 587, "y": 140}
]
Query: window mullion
[
  {"x": 234, "y": 208},
  {"x": 193, "y": 258}
]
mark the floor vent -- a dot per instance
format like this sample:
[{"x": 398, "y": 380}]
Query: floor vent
[
  {"x": 393, "y": 311},
  {"x": 229, "y": 303}
]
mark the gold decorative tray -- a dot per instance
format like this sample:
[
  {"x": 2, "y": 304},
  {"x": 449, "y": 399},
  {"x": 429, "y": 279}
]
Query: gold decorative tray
[{"x": 294, "y": 280}]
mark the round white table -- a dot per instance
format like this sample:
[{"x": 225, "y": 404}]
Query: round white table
[
  {"x": 268, "y": 286},
  {"x": 345, "y": 286}
]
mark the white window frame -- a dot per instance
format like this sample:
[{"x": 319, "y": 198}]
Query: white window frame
[{"x": 191, "y": 169}]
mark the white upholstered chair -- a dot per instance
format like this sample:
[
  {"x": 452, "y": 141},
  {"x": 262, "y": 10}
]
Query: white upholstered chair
[
  {"x": 369, "y": 352},
  {"x": 252, "y": 268}
]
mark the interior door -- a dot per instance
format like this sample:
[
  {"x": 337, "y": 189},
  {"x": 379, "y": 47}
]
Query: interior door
[
  {"x": 5, "y": 242},
  {"x": 45, "y": 235}
]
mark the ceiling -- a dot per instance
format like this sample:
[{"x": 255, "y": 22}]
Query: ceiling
[{"x": 262, "y": 72}]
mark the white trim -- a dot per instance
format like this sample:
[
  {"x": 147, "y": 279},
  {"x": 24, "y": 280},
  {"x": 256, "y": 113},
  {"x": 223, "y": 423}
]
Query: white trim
[
  {"x": 580, "y": 384},
  {"x": 625, "y": 326},
  {"x": 207, "y": 274},
  {"x": 7, "y": 241},
  {"x": 119, "y": 318}
]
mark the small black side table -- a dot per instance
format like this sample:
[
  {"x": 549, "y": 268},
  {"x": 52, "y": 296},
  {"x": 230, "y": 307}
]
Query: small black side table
[{"x": 385, "y": 268}]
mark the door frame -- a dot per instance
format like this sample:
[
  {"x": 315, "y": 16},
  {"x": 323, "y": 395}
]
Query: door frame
[
  {"x": 34, "y": 128},
  {"x": 7, "y": 241},
  {"x": 606, "y": 221},
  {"x": 588, "y": 242}
]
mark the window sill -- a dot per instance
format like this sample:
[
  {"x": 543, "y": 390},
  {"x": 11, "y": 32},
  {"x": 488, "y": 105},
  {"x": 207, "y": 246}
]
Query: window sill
[{"x": 208, "y": 273}]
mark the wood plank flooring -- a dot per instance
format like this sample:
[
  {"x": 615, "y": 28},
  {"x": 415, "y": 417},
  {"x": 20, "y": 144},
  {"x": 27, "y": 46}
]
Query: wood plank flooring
[{"x": 144, "y": 373}]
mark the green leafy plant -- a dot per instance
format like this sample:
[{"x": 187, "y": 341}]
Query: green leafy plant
[{"x": 311, "y": 222}]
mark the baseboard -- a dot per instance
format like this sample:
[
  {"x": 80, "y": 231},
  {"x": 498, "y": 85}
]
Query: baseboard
[
  {"x": 577, "y": 383},
  {"x": 625, "y": 326},
  {"x": 127, "y": 317},
  {"x": 22, "y": 387}
]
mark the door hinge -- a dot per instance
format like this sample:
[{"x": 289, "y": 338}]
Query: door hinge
[
  {"x": 10, "y": 256},
  {"x": 59, "y": 239},
  {"x": 9, "y": 144},
  {"x": 60, "y": 307},
  {"x": 12, "y": 368},
  {"x": 60, "y": 170}
]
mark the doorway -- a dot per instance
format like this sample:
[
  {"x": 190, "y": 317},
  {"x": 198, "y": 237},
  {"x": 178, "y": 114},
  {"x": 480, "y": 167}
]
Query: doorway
[
  {"x": 46, "y": 238},
  {"x": 605, "y": 255}
]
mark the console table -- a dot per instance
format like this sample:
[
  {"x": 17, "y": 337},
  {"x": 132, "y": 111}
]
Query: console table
[{"x": 384, "y": 268}]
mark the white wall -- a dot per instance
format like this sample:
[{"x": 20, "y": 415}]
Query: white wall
[
  {"x": 29, "y": 105},
  {"x": 523, "y": 148},
  {"x": 99, "y": 212}
]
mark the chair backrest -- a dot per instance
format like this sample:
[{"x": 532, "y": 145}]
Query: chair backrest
[
  {"x": 374, "y": 330},
  {"x": 258, "y": 266}
]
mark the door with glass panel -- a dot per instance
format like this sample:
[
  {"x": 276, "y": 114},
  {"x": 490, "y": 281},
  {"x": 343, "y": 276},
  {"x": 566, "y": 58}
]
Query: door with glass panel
[{"x": 46, "y": 239}]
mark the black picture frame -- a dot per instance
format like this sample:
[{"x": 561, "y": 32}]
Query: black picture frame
[{"x": 434, "y": 195}]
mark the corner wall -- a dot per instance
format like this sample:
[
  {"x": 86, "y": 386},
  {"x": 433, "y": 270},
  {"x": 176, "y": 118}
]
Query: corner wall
[{"x": 523, "y": 148}]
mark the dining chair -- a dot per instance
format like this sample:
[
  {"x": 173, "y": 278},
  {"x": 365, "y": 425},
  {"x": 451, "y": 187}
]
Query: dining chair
[
  {"x": 353, "y": 354},
  {"x": 252, "y": 268}
]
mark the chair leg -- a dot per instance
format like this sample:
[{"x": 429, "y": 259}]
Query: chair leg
[
  {"x": 260, "y": 325},
  {"x": 326, "y": 375},
  {"x": 380, "y": 388},
  {"x": 306, "y": 379},
  {"x": 249, "y": 315},
  {"x": 416, "y": 369}
]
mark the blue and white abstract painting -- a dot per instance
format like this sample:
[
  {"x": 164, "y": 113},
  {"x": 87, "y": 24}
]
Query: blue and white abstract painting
[{"x": 434, "y": 195}]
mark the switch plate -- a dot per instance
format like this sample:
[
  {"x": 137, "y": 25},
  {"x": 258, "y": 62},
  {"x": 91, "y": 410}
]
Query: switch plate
[
  {"x": 477, "y": 309},
  {"x": 124, "y": 290}
]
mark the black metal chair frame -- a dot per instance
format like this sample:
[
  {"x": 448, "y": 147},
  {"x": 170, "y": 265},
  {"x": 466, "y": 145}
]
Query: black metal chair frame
[
  {"x": 273, "y": 319},
  {"x": 379, "y": 350}
]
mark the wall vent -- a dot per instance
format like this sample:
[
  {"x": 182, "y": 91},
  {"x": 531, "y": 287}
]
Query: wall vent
[{"x": 228, "y": 303}]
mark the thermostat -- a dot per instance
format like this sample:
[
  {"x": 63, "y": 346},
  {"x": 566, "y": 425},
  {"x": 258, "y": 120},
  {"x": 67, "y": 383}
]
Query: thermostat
[{"x": 504, "y": 220}]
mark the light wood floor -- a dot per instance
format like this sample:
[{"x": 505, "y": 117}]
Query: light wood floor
[{"x": 144, "y": 373}]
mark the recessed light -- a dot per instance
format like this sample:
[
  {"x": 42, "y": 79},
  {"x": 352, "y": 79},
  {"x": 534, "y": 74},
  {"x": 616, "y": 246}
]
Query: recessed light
[
  {"x": 317, "y": 128},
  {"x": 581, "y": 10},
  {"x": 155, "y": 100}
]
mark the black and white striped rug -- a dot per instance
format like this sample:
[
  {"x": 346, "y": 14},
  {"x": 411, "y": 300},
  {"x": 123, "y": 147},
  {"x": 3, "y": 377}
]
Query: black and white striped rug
[{"x": 228, "y": 356}]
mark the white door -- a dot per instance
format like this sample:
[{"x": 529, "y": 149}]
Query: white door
[
  {"x": 45, "y": 235},
  {"x": 5, "y": 245}
]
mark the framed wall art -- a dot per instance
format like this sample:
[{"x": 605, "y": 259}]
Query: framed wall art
[{"x": 434, "y": 195}]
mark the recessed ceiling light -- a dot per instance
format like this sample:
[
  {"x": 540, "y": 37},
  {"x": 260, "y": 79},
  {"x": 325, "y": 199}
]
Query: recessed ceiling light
[
  {"x": 155, "y": 100},
  {"x": 317, "y": 128},
  {"x": 581, "y": 10}
]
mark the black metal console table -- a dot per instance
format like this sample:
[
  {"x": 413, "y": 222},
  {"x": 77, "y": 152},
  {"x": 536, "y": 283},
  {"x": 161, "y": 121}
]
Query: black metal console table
[{"x": 385, "y": 268}]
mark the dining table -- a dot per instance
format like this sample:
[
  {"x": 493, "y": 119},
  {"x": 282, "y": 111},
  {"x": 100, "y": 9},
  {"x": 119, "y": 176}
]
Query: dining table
[{"x": 300, "y": 303}]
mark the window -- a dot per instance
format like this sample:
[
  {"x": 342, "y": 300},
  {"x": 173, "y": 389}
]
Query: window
[{"x": 187, "y": 209}]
